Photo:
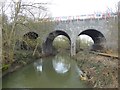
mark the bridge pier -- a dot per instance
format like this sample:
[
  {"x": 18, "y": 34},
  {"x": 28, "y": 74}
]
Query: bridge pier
[{"x": 73, "y": 47}]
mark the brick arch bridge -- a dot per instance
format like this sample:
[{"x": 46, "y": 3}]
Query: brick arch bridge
[{"x": 104, "y": 32}]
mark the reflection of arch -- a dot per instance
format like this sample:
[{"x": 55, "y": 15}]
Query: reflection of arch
[
  {"x": 47, "y": 46},
  {"x": 51, "y": 74},
  {"x": 97, "y": 37},
  {"x": 29, "y": 35},
  {"x": 61, "y": 65}
]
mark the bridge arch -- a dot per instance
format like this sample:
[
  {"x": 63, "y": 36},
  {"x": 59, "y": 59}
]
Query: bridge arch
[
  {"x": 31, "y": 35},
  {"x": 30, "y": 38},
  {"x": 97, "y": 37},
  {"x": 48, "y": 43}
]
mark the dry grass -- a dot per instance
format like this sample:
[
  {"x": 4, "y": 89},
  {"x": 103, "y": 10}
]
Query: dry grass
[{"x": 102, "y": 72}]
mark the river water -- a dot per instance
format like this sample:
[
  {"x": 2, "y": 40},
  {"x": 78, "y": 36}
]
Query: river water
[{"x": 59, "y": 71}]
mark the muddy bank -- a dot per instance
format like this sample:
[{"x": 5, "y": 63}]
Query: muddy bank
[{"x": 101, "y": 71}]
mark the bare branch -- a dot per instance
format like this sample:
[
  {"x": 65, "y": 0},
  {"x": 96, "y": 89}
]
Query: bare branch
[
  {"x": 34, "y": 5},
  {"x": 17, "y": 9},
  {"x": 7, "y": 7},
  {"x": 29, "y": 12}
]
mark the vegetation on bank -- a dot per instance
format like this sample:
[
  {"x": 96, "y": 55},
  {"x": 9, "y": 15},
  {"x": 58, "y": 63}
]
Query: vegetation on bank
[
  {"x": 21, "y": 17},
  {"x": 101, "y": 71}
]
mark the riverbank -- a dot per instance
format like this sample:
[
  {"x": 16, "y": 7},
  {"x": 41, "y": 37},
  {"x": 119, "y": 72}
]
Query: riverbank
[
  {"x": 21, "y": 59},
  {"x": 58, "y": 71},
  {"x": 102, "y": 72}
]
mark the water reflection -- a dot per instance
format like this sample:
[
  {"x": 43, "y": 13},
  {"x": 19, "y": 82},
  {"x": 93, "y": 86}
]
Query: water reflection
[
  {"x": 60, "y": 64},
  {"x": 39, "y": 65},
  {"x": 79, "y": 72},
  {"x": 57, "y": 66},
  {"x": 49, "y": 72}
]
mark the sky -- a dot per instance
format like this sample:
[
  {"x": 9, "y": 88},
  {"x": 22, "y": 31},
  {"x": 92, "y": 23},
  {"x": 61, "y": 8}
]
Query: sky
[
  {"x": 59, "y": 8},
  {"x": 78, "y": 7}
]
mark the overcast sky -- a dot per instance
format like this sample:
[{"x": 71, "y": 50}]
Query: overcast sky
[{"x": 77, "y": 7}]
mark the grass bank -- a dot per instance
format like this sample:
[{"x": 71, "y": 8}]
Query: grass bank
[{"x": 101, "y": 71}]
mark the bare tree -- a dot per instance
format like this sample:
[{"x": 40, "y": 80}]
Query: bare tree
[{"x": 14, "y": 11}]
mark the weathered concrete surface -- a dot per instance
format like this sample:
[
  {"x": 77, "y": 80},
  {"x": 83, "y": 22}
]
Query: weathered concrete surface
[{"x": 104, "y": 32}]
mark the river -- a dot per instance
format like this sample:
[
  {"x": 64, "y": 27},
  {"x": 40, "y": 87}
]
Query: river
[{"x": 58, "y": 71}]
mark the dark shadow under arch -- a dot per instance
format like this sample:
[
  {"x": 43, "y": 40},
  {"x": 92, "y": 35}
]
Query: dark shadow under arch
[
  {"x": 48, "y": 48},
  {"x": 97, "y": 37},
  {"x": 31, "y": 36}
]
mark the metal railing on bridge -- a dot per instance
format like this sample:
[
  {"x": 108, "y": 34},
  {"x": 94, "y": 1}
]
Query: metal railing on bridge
[{"x": 82, "y": 17}]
